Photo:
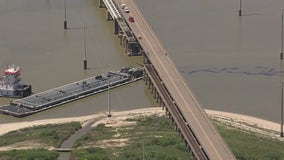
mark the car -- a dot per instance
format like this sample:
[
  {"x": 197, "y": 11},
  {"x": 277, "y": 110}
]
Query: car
[
  {"x": 131, "y": 19},
  {"x": 123, "y": 6},
  {"x": 126, "y": 9}
]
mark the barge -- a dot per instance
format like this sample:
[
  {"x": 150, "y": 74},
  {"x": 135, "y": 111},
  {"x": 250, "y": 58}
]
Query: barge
[
  {"x": 10, "y": 84},
  {"x": 71, "y": 92}
]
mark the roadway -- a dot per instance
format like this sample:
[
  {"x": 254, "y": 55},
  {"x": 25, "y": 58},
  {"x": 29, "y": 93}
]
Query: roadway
[{"x": 193, "y": 112}]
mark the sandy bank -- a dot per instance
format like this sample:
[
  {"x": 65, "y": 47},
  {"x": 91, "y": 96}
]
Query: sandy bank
[
  {"x": 116, "y": 116},
  {"x": 240, "y": 121}
]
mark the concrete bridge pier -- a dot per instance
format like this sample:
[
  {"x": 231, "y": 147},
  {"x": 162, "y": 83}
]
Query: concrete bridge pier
[
  {"x": 161, "y": 103},
  {"x": 145, "y": 60},
  {"x": 120, "y": 33},
  {"x": 126, "y": 46},
  {"x": 172, "y": 120},
  {"x": 190, "y": 151},
  {"x": 154, "y": 90},
  {"x": 101, "y": 4},
  {"x": 145, "y": 77},
  {"x": 116, "y": 27},
  {"x": 123, "y": 41},
  {"x": 108, "y": 16},
  {"x": 167, "y": 112},
  {"x": 175, "y": 127},
  {"x": 146, "y": 80},
  {"x": 150, "y": 84},
  {"x": 158, "y": 99},
  {"x": 120, "y": 36},
  {"x": 181, "y": 136}
]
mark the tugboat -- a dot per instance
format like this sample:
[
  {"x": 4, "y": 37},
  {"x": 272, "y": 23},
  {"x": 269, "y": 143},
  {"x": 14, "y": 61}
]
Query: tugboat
[{"x": 10, "y": 83}]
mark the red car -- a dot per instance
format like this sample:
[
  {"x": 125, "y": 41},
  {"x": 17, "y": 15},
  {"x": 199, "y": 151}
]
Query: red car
[{"x": 131, "y": 19}]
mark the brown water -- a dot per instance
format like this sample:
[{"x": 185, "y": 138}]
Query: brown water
[
  {"x": 231, "y": 62},
  {"x": 32, "y": 36},
  {"x": 204, "y": 37}
]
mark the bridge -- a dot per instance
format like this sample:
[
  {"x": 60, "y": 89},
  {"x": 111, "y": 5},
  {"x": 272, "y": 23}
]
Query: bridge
[
  {"x": 126, "y": 36},
  {"x": 168, "y": 86}
]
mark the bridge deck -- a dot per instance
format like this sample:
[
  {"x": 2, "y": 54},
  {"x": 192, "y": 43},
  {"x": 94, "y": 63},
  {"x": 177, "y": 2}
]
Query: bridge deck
[{"x": 190, "y": 108}]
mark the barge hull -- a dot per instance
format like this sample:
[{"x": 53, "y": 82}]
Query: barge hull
[{"x": 68, "y": 93}]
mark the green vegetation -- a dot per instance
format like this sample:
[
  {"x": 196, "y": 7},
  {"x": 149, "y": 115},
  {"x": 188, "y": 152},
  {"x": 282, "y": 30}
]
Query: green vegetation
[
  {"x": 31, "y": 154},
  {"x": 160, "y": 141},
  {"x": 52, "y": 135},
  {"x": 156, "y": 133},
  {"x": 92, "y": 153},
  {"x": 249, "y": 146}
]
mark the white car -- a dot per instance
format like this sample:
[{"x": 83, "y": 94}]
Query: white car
[
  {"x": 123, "y": 6},
  {"x": 126, "y": 9}
]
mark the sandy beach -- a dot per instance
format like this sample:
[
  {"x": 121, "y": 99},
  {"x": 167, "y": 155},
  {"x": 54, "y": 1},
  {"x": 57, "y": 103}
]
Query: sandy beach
[{"x": 244, "y": 122}]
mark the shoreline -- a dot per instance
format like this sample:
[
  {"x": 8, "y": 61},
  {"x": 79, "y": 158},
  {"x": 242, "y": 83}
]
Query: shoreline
[
  {"x": 246, "y": 123},
  {"x": 243, "y": 122}
]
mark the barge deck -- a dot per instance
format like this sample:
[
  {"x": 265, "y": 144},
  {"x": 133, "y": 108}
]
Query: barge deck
[{"x": 71, "y": 92}]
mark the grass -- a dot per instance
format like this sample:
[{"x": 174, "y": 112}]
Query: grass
[
  {"x": 155, "y": 133},
  {"x": 160, "y": 141},
  {"x": 30, "y": 154},
  {"x": 52, "y": 135},
  {"x": 249, "y": 146}
]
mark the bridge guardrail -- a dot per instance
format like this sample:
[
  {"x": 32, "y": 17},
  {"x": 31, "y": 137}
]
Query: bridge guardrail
[{"x": 113, "y": 9}]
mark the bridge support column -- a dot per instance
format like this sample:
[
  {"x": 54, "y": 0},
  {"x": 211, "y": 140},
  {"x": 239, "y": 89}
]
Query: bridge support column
[
  {"x": 120, "y": 38},
  {"x": 145, "y": 79},
  {"x": 191, "y": 154},
  {"x": 181, "y": 136},
  {"x": 149, "y": 84},
  {"x": 163, "y": 105},
  {"x": 108, "y": 16},
  {"x": 175, "y": 127},
  {"x": 126, "y": 46},
  {"x": 173, "y": 122},
  {"x": 152, "y": 88},
  {"x": 156, "y": 95},
  {"x": 144, "y": 58},
  {"x": 158, "y": 98},
  {"x": 120, "y": 32},
  {"x": 101, "y": 4},
  {"x": 154, "y": 92},
  {"x": 167, "y": 112},
  {"x": 161, "y": 102},
  {"x": 116, "y": 27},
  {"x": 123, "y": 41}
]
